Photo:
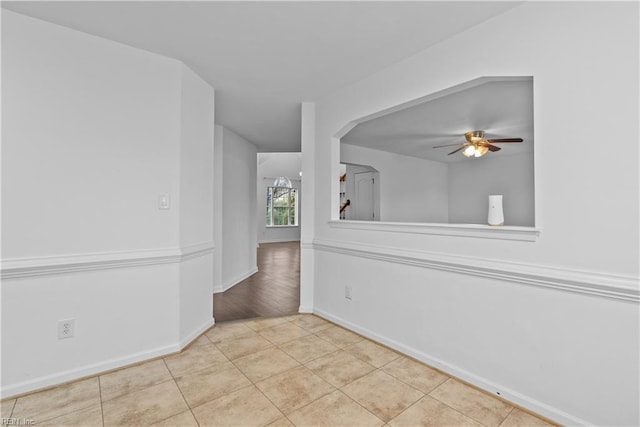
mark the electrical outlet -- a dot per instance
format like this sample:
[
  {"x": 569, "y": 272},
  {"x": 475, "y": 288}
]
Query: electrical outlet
[
  {"x": 347, "y": 292},
  {"x": 66, "y": 328}
]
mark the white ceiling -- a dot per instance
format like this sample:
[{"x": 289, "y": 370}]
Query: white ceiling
[
  {"x": 265, "y": 58},
  {"x": 501, "y": 106}
]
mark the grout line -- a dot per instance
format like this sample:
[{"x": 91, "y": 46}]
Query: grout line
[
  {"x": 359, "y": 404},
  {"x": 456, "y": 409},
  {"x": 181, "y": 394},
  {"x": 446, "y": 377},
  {"x": 505, "y": 418},
  {"x": 252, "y": 384},
  {"x": 13, "y": 407},
  {"x": 100, "y": 394}
]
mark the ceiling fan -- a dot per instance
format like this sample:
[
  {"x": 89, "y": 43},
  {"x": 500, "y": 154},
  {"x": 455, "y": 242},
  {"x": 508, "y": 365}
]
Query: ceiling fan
[{"x": 477, "y": 145}]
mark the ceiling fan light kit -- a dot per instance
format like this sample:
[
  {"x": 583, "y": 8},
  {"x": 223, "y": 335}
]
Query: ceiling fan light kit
[
  {"x": 475, "y": 150},
  {"x": 477, "y": 145}
]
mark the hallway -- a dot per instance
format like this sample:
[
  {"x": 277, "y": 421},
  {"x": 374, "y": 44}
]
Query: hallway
[{"x": 273, "y": 291}]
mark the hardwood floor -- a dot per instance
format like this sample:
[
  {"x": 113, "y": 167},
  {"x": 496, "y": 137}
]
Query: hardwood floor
[{"x": 273, "y": 291}]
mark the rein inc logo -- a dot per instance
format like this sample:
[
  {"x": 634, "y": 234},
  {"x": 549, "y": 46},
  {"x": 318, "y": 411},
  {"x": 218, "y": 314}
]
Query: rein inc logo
[{"x": 18, "y": 422}]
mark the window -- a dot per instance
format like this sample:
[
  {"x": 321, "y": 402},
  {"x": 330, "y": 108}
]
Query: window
[{"x": 282, "y": 207}]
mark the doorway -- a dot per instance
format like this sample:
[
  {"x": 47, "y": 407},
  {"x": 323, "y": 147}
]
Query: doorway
[
  {"x": 362, "y": 190},
  {"x": 273, "y": 291}
]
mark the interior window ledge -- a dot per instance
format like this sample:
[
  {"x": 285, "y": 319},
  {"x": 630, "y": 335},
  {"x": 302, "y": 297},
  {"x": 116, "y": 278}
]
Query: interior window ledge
[{"x": 503, "y": 232}]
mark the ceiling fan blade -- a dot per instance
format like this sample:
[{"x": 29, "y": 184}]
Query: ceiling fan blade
[
  {"x": 499, "y": 140},
  {"x": 492, "y": 147},
  {"x": 446, "y": 145},
  {"x": 455, "y": 151}
]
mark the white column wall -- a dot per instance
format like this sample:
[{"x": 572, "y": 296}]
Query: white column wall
[
  {"x": 239, "y": 234},
  {"x": 92, "y": 135},
  {"x": 196, "y": 205}
]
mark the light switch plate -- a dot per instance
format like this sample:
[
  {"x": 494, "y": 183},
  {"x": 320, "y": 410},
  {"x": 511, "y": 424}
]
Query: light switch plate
[{"x": 164, "y": 201}]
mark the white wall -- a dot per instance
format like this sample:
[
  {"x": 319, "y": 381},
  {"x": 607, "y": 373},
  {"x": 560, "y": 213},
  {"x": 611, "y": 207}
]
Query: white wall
[
  {"x": 196, "y": 203},
  {"x": 411, "y": 189},
  {"x": 217, "y": 207},
  {"x": 471, "y": 183},
  {"x": 84, "y": 175},
  {"x": 239, "y": 242},
  {"x": 91, "y": 136},
  {"x": 551, "y": 324},
  {"x": 271, "y": 166}
]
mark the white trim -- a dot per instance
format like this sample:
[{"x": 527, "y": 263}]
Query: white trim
[
  {"x": 196, "y": 333},
  {"x": 231, "y": 283},
  {"x": 197, "y": 250},
  {"x": 85, "y": 371},
  {"x": 623, "y": 288},
  {"x": 507, "y": 232},
  {"x": 305, "y": 309},
  {"x": 513, "y": 396},
  {"x": 306, "y": 244},
  {"x": 17, "y": 268}
]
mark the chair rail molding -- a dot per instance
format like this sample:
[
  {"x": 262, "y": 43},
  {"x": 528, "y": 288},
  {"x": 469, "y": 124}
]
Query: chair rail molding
[
  {"x": 623, "y": 288},
  {"x": 527, "y": 234},
  {"x": 16, "y": 268}
]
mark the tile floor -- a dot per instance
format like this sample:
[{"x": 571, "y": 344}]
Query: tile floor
[{"x": 297, "y": 370}]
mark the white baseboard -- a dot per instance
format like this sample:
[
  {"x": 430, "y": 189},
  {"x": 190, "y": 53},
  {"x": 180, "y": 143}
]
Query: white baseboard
[
  {"x": 101, "y": 367},
  {"x": 85, "y": 371},
  {"x": 231, "y": 283},
  {"x": 196, "y": 333},
  {"x": 305, "y": 309},
  {"x": 457, "y": 372}
]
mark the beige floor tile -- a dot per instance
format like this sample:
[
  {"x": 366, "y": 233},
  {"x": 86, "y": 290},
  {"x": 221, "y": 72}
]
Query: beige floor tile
[
  {"x": 228, "y": 331},
  {"x": 6, "y": 407},
  {"x": 58, "y": 401},
  {"x": 201, "y": 340},
  {"x": 265, "y": 323},
  {"x": 88, "y": 417},
  {"x": 382, "y": 394},
  {"x": 339, "y": 368},
  {"x": 132, "y": 379},
  {"x": 281, "y": 422},
  {"x": 518, "y": 418},
  {"x": 311, "y": 323},
  {"x": 429, "y": 412},
  {"x": 308, "y": 348},
  {"x": 280, "y": 334},
  {"x": 245, "y": 407},
  {"x": 203, "y": 386},
  {"x": 294, "y": 388},
  {"x": 372, "y": 353},
  {"x": 144, "y": 407},
  {"x": 338, "y": 336},
  {"x": 184, "y": 419},
  {"x": 243, "y": 346},
  {"x": 334, "y": 410},
  {"x": 471, "y": 402},
  {"x": 195, "y": 358},
  {"x": 415, "y": 374},
  {"x": 265, "y": 363}
]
